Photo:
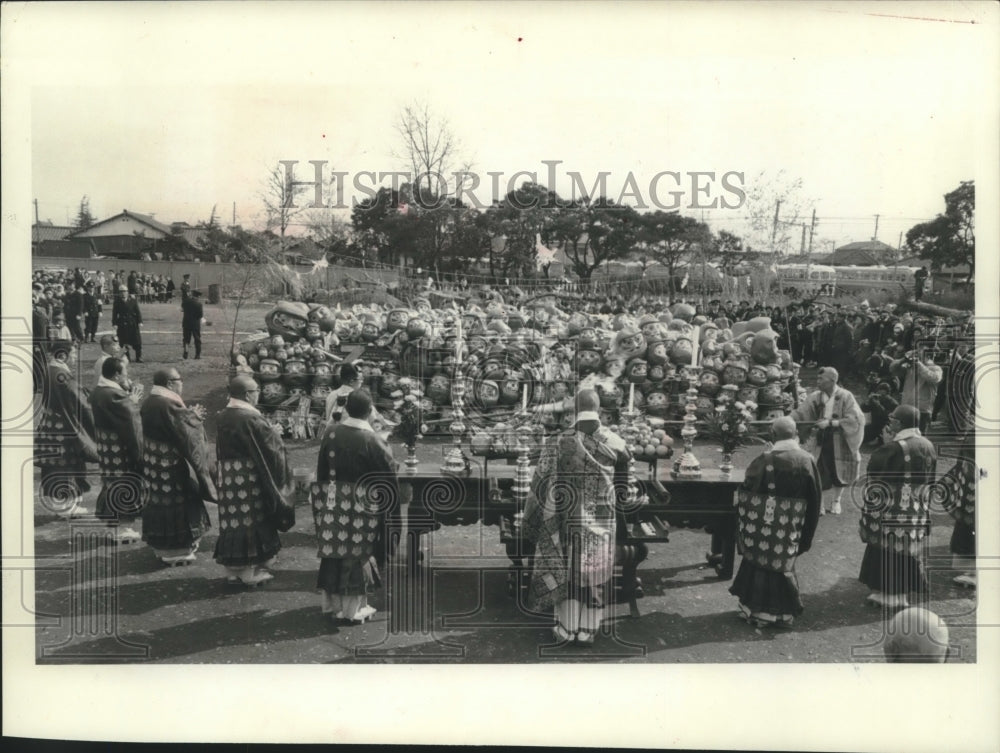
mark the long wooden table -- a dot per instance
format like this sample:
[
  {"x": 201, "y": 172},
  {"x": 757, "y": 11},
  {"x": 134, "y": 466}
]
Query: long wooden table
[{"x": 437, "y": 500}]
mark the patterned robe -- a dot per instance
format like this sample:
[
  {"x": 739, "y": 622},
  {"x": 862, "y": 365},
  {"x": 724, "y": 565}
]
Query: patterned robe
[
  {"x": 571, "y": 519},
  {"x": 895, "y": 520},
  {"x": 254, "y": 477},
  {"x": 177, "y": 473},
  {"x": 65, "y": 439},
  {"x": 846, "y": 439},
  {"x": 119, "y": 445},
  {"x": 779, "y": 505},
  {"x": 356, "y": 507}
]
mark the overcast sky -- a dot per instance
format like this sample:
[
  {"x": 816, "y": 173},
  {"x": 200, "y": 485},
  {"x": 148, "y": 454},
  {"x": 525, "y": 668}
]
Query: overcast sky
[{"x": 172, "y": 111}]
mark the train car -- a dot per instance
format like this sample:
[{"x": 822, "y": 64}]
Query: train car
[
  {"x": 874, "y": 277},
  {"x": 807, "y": 279}
]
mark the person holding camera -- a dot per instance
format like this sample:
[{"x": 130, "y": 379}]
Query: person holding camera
[{"x": 920, "y": 377}]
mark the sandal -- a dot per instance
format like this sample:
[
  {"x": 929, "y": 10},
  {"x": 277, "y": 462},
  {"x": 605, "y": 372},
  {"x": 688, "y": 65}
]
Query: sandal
[
  {"x": 561, "y": 633},
  {"x": 586, "y": 637}
]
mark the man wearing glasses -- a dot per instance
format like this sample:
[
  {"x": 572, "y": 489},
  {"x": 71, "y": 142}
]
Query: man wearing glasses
[
  {"x": 174, "y": 517},
  {"x": 254, "y": 486},
  {"x": 110, "y": 348}
]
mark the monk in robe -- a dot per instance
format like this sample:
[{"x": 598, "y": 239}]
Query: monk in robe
[
  {"x": 895, "y": 520},
  {"x": 356, "y": 509},
  {"x": 179, "y": 479},
  {"x": 119, "y": 445},
  {"x": 837, "y": 433},
  {"x": 65, "y": 440},
  {"x": 779, "y": 506},
  {"x": 254, "y": 486},
  {"x": 570, "y": 519}
]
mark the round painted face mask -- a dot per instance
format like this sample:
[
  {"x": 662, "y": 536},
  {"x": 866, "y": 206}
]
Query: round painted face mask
[
  {"x": 656, "y": 402},
  {"x": 587, "y": 338},
  {"x": 397, "y": 320},
  {"x": 636, "y": 371},
  {"x": 656, "y": 353},
  {"x": 319, "y": 313},
  {"x": 416, "y": 328},
  {"x": 631, "y": 343},
  {"x": 369, "y": 332},
  {"x": 709, "y": 383},
  {"x": 488, "y": 393},
  {"x": 682, "y": 351},
  {"x": 588, "y": 360}
]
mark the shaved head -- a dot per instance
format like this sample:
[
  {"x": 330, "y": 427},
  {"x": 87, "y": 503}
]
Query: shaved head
[
  {"x": 908, "y": 416},
  {"x": 240, "y": 385},
  {"x": 783, "y": 428},
  {"x": 162, "y": 377},
  {"x": 587, "y": 400},
  {"x": 916, "y": 635}
]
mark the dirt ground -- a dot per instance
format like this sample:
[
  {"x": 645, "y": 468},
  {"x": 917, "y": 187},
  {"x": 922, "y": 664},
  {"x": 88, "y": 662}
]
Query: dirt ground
[{"x": 105, "y": 604}]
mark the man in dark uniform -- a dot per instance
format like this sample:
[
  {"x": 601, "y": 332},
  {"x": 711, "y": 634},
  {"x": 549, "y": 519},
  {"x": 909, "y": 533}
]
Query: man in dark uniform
[
  {"x": 73, "y": 309},
  {"x": 186, "y": 287},
  {"x": 125, "y": 315},
  {"x": 193, "y": 311},
  {"x": 92, "y": 309}
]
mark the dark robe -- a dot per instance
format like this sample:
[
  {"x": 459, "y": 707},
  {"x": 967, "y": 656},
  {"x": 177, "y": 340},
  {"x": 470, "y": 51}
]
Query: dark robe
[
  {"x": 895, "y": 520},
  {"x": 356, "y": 509},
  {"x": 119, "y": 446},
  {"x": 65, "y": 439},
  {"x": 773, "y": 534},
  {"x": 254, "y": 480},
  {"x": 126, "y": 316},
  {"x": 177, "y": 471}
]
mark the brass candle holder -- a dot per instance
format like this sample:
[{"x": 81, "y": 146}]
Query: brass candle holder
[
  {"x": 687, "y": 465},
  {"x": 456, "y": 461}
]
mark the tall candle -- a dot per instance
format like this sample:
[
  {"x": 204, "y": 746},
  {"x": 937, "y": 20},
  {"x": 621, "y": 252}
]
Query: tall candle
[
  {"x": 524, "y": 398},
  {"x": 694, "y": 348},
  {"x": 631, "y": 396},
  {"x": 458, "y": 342}
]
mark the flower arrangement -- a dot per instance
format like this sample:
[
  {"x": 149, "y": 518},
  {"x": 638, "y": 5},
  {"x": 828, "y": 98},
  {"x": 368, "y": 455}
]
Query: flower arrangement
[{"x": 731, "y": 421}]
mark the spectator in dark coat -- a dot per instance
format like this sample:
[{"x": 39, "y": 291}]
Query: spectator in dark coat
[{"x": 193, "y": 312}]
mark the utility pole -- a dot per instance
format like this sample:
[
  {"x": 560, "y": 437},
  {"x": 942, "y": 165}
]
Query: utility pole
[
  {"x": 802, "y": 248},
  {"x": 774, "y": 227},
  {"x": 812, "y": 230},
  {"x": 234, "y": 214},
  {"x": 36, "y": 211},
  {"x": 875, "y": 237}
]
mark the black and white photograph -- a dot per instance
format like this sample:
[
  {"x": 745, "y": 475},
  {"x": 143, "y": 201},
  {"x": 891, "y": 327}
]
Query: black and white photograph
[{"x": 602, "y": 374}]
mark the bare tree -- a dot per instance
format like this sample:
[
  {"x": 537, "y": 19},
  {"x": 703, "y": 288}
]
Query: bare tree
[
  {"x": 771, "y": 196},
  {"x": 279, "y": 193},
  {"x": 429, "y": 149}
]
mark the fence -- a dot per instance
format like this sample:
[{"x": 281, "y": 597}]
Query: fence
[{"x": 229, "y": 277}]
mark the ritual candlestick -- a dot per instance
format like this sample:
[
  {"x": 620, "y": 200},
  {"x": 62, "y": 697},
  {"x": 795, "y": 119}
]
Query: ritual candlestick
[
  {"x": 522, "y": 476},
  {"x": 456, "y": 462},
  {"x": 631, "y": 397},
  {"x": 695, "y": 346},
  {"x": 687, "y": 465}
]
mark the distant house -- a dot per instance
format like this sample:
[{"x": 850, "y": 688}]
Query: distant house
[
  {"x": 133, "y": 235},
  {"x": 862, "y": 254},
  {"x": 50, "y": 240}
]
